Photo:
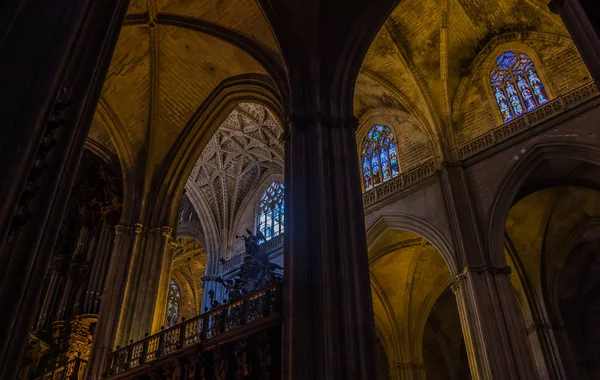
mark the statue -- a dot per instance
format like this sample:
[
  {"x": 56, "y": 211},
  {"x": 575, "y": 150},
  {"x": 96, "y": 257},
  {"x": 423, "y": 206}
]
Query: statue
[
  {"x": 251, "y": 242},
  {"x": 255, "y": 273}
]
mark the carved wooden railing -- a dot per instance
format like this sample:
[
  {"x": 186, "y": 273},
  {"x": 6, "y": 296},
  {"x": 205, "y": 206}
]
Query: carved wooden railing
[
  {"x": 72, "y": 370},
  {"x": 526, "y": 121},
  {"x": 265, "y": 249},
  {"x": 404, "y": 180},
  {"x": 205, "y": 328}
]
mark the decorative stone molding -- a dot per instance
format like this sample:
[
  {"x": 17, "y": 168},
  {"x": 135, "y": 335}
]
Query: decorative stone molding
[
  {"x": 538, "y": 326},
  {"x": 403, "y": 181},
  {"x": 526, "y": 121},
  {"x": 478, "y": 269},
  {"x": 139, "y": 229},
  {"x": 245, "y": 149}
]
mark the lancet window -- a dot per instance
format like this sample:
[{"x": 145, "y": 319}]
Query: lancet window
[
  {"x": 516, "y": 85},
  {"x": 173, "y": 303},
  {"x": 271, "y": 215},
  {"x": 379, "y": 156}
]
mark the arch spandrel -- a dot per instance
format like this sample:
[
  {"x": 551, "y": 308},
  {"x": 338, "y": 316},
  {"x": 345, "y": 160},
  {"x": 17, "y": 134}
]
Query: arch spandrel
[{"x": 184, "y": 154}]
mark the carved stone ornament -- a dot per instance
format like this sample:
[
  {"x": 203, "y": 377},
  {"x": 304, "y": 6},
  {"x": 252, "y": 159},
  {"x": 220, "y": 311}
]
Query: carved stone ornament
[{"x": 245, "y": 148}]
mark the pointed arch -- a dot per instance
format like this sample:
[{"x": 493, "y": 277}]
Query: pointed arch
[{"x": 185, "y": 152}]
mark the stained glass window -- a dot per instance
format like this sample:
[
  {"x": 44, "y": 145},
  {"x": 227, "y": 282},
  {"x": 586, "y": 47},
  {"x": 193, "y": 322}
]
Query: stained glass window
[
  {"x": 516, "y": 84},
  {"x": 379, "y": 157},
  {"x": 271, "y": 217},
  {"x": 174, "y": 299}
]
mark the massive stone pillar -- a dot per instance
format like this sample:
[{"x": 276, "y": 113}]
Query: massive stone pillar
[
  {"x": 407, "y": 371},
  {"x": 99, "y": 269},
  {"x": 582, "y": 19},
  {"x": 131, "y": 293},
  {"x": 74, "y": 276},
  {"x": 328, "y": 331},
  {"x": 492, "y": 324},
  {"x": 55, "y": 57},
  {"x": 53, "y": 293}
]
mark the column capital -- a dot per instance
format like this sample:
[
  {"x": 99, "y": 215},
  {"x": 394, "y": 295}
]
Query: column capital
[{"x": 478, "y": 269}]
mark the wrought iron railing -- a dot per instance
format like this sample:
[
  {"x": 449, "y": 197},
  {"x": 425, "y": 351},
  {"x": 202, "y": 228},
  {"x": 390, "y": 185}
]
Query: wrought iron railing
[
  {"x": 72, "y": 370},
  {"x": 265, "y": 249},
  {"x": 204, "y": 328}
]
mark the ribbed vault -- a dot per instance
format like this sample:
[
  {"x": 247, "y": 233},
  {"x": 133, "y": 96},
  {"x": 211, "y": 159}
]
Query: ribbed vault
[
  {"x": 246, "y": 149},
  {"x": 427, "y": 60},
  {"x": 169, "y": 58}
]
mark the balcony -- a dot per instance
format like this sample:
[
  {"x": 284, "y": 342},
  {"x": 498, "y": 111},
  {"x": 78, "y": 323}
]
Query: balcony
[
  {"x": 233, "y": 337},
  {"x": 72, "y": 370}
]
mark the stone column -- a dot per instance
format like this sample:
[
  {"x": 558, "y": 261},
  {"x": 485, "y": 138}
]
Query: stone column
[
  {"x": 328, "y": 329},
  {"x": 52, "y": 297},
  {"x": 582, "y": 19},
  {"x": 131, "y": 293},
  {"x": 407, "y": 371},
  {"x": 99, "y": 269},
  {"x": 56, "y": 55},
  {"x": 73, "y": 280},
  {"x": 550, "y": 362},
  {"x": 492, "y": 324}
]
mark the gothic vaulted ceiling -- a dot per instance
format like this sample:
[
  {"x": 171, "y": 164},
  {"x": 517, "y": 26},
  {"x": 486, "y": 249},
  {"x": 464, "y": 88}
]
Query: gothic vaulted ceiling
[
  {"x": 171, "y": 54},
  {"x": 246, "y": 149},
  {"x": 427, "y": 47}
]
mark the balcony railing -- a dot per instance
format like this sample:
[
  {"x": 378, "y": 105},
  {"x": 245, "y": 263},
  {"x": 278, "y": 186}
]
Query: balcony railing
[
  {"x": 485, "y": 141},
  {"x": 526, "y": 121},
  {"x": 72, "y": 370},
  {"x": 205, "y": 328},
  {"x": 265, "y": 249},
  {"x": 404, "y": 180}
]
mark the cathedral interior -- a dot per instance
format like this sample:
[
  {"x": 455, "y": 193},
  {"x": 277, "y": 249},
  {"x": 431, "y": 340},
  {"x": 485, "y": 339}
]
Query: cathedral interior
[{"x": 299, "y": 190}]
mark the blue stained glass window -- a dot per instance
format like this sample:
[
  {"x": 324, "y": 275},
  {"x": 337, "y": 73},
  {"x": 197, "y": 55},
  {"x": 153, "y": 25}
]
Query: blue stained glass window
[
  {"x": 385, "y": 164},
  {"x": 173, "y": 300},
  {"x": 271, "y": 215},
  {"x": 376, "y": 170},
  {"x": 516, "y": 84},
  {"x": 366, "y": 167},
  {"x": 394, "y": 160},
  {"x": 379, "y": 157}
]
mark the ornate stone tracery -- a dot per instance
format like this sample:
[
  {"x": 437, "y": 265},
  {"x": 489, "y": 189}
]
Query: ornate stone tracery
[{"x": 244, "y": 150}]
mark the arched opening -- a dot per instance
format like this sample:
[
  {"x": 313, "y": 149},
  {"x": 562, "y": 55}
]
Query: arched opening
[
  {"x": 186, "y": 288},
  {"x": 444, "y": 352},
  {"x": 236, "y": 186},
  {"x": 415, "y": 311},
  {"x": 552, "y": 240}
]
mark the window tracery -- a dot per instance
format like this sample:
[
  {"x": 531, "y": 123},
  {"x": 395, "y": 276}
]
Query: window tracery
[
  {"x": 379, "y": 156},
  {"x": 516, "y": 85},
  {"x": 271, "y": 216},
  {"x": 173, "y": 303}
]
